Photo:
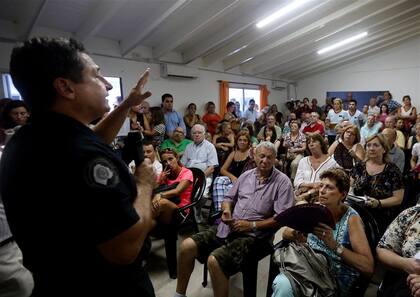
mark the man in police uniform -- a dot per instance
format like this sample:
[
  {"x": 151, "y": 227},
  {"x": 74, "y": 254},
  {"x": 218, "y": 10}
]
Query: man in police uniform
[{"x": 75, "y": 211}]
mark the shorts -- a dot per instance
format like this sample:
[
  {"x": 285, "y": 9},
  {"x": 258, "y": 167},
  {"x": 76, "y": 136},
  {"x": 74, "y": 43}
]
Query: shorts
[{"x": 230, "y": 252}]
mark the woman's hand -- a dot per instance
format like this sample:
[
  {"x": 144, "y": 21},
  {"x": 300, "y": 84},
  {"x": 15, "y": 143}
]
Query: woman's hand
[
  {"x": 372, "y": 202},
  {"x": 156, "y": 206},
  {"x": 325, "y": 233},
  {"x": 413, "y": 281},
  {"x": 163, "y": 177}
]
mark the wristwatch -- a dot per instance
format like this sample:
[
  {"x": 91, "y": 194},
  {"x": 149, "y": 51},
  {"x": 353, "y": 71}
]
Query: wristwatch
[
  {"x": 339, "y": 249},
  {"x": 254, "y": 226}
]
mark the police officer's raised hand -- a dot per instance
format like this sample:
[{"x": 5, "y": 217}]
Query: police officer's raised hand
[
  {"x": 136, "y": 95},
  {"x": 144, "y": 173}
]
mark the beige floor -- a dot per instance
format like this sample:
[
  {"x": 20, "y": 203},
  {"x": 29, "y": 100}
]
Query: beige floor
[{"x": 165, "y": 287}]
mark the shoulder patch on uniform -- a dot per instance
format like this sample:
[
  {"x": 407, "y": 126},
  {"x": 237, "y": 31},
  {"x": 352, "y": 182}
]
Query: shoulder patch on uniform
[{"x": 101, "y": 172}]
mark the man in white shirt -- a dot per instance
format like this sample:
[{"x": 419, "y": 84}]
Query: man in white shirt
[
  {"x": 150, "y": 152},
  {"x": 355, "y": 115},
  {"x": 371, "y": 127},
  {"x": 373, "y": 108},
  {"x": 251, "y": 115}
]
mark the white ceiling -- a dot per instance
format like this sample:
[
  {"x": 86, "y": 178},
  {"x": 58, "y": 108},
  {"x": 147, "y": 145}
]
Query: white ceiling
[{"x": 224, "y": 32}]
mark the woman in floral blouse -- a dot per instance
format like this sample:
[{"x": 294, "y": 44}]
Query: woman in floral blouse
[
  {"x": 396, "y": 250},
  {"x": 380, "y": 181}
]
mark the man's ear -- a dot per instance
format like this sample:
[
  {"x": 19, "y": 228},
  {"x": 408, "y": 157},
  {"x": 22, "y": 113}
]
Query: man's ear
[{"x": 64, "y": 88}]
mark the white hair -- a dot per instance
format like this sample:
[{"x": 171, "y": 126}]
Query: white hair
[{"x": 267, "y": 145}]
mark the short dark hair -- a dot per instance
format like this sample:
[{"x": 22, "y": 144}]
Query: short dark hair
[
  {"x": 166, "y": 95},
  {"x": 317, "y": 137},
  {"x": 353, "y": 100},
  {"x": 339, "y": 176},
  {"x": 35, "y": 64},
  {"x": 149, "y": 142}
]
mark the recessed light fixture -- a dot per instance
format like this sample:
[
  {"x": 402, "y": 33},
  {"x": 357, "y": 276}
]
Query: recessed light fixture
[
  {"x": 342, "y": 43},
  {"x": 281, "y": 12}
]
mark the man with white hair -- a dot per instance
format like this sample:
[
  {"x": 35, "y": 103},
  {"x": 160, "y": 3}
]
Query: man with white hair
[
  {"x": 390, "y": 123},
  {"x": 201, "y": 154},
  {"x": 248, "y": 221}
]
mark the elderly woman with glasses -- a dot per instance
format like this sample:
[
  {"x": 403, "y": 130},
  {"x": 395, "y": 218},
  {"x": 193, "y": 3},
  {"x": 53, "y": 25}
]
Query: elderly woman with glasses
[
  {"x": 379, "y": 180},
  {"x": 174, "y": 173}
]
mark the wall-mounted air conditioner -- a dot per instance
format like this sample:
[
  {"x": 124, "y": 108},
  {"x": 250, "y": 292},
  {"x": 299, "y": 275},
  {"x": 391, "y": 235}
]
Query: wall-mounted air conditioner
[
  {"x": 278, "y": 85},
  {"x": 177, "y": 71}
]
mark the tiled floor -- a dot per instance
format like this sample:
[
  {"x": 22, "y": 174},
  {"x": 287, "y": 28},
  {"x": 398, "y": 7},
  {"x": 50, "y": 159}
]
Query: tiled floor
[{"x": 165, "y": 287}]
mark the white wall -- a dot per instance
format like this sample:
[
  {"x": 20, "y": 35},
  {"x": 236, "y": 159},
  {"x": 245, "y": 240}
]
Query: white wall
[
  {"x": 200, "y": 90},
  {"x": 396, "y": 70}
]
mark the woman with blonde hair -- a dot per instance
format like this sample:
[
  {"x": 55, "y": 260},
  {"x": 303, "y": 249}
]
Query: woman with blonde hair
[
  {"x": 347, "y": 149},
  {"x": 379, "y": 180}
]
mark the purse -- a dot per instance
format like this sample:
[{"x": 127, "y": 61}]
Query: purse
[{"x": 307, "y": 270}]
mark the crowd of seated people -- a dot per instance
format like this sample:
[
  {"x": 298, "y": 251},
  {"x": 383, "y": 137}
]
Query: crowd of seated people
[{"x": 378, "y": 148}]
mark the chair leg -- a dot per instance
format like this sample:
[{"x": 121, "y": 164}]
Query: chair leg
[
  {"x": 249, "y": 275},
  {"x": 171, "y": 253},
  {"x": 204, "y": 283}
]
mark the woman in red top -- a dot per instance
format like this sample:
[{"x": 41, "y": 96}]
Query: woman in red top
[
  {"x": 211, "y": 118},
  {"x": 166, "y": 203}
]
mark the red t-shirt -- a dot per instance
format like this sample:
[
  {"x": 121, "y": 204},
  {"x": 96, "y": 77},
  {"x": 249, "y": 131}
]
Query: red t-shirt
[
  {"x": 211, "y": 119},
  {"x": 317, "y": 127},
  {"x": 185, "y": 196}
]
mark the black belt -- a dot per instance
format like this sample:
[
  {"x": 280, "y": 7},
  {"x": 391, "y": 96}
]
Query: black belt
[{"x": 6, "y": 241}]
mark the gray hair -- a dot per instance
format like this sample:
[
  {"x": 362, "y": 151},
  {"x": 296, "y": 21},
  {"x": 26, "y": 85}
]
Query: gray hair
[
  {"x": 199, "y": 127},
  {"x": 267, "y": 145}
]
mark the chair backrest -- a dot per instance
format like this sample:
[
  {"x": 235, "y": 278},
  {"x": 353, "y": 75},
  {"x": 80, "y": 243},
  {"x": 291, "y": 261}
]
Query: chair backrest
[
  {"x": 371, "y": 227},
  {"x": 199, "y": 184}
]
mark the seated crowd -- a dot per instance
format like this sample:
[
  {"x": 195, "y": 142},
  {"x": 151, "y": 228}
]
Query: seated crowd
[{"x": 258, "y": 164}]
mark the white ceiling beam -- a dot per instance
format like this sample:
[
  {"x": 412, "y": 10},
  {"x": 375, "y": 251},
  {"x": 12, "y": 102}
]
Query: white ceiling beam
[
  {"x": 129, "y": 43},
  {"x": 253, "y": 34},
  {"x": 197, "y": 26},
  {"x": 97, "y": 18},
  {"x": 30, "y": 18},
  {"x": 314, "y": 59},
  {"x": 216, "y": 40},
  {"x": 309, "y": 30},
  {"x": 378, "y": 43},
  {"x": 304, "y": 45},
  {"x": 390, "y": 44}
]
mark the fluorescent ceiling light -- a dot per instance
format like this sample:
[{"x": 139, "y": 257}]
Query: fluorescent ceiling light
[
  {"x": 283, "y": 11},
  {"x": 246, "y": 60},
  {"x": 341, "y": 43}
]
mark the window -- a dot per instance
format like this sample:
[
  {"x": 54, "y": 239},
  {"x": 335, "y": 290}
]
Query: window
[
  {"x": 114, "y": 96},
  {"x": 9, "y": 89},
  {"x": 243, "y": 95}
]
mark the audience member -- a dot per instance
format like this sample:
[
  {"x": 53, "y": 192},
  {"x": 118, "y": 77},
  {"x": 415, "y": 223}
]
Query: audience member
[
  {"x": 315, "y": 125},
  {"x": 316, "y": 108},
  {"x": 191, "y": 118},
  {"x": 390, "y": 122},
  {"x": 355, "y": 115},
  {"x": 155, "y": 129},
  {"x": 178, "y": 142},
  {"x": 14, "y": 113},
  {"x": 371, "y": 128},
  {"x": 393, "y": 105},
  {"x": 250, "y": 129},
  {"x": 251, "y": 114},
  {"x": 396, "y": 250},
  {"x": 237, "y": 162},
  {"x": 378, "y": 180},
  {"x": 84, "y": 231},
  {"x": 295, "y": 143},
  {"x": 230, "y": 112},
  {"x": 292, "y": 117},
  {"x": 247, "y": 224},
  {"x": 173, "y": 118},
  {"x": 238, "y": 110},
  {"x": 373, "y": 107},
  {"x": 337, "y": 114},
  {"x": 149, "y": 150},
  {"x": 384, "y": 113},
  {"x": 165, "y": 203},
  {"x": 277, "y": 114},
  {"x": 211, "y": 118},
  {"x": 415, "y": 138},
  {"x": 396, "y": 155},
  {"x": 310, "y": 167},
  {"x": 271, "y": 123},
  {"x": 347, "y": 149},
  {"x": 345, "y": 246},
  {"x": 408, "y": 113},
  {"x": 223, "y": 141}
]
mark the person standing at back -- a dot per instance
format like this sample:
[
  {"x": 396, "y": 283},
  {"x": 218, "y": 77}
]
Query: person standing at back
[{"x": 78, "y": 215}]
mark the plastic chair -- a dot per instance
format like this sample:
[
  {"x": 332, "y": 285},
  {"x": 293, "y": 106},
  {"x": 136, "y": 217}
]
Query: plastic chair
[
  {"x": 249, "y": 267},
  {"x": 170, "y": 233}
]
